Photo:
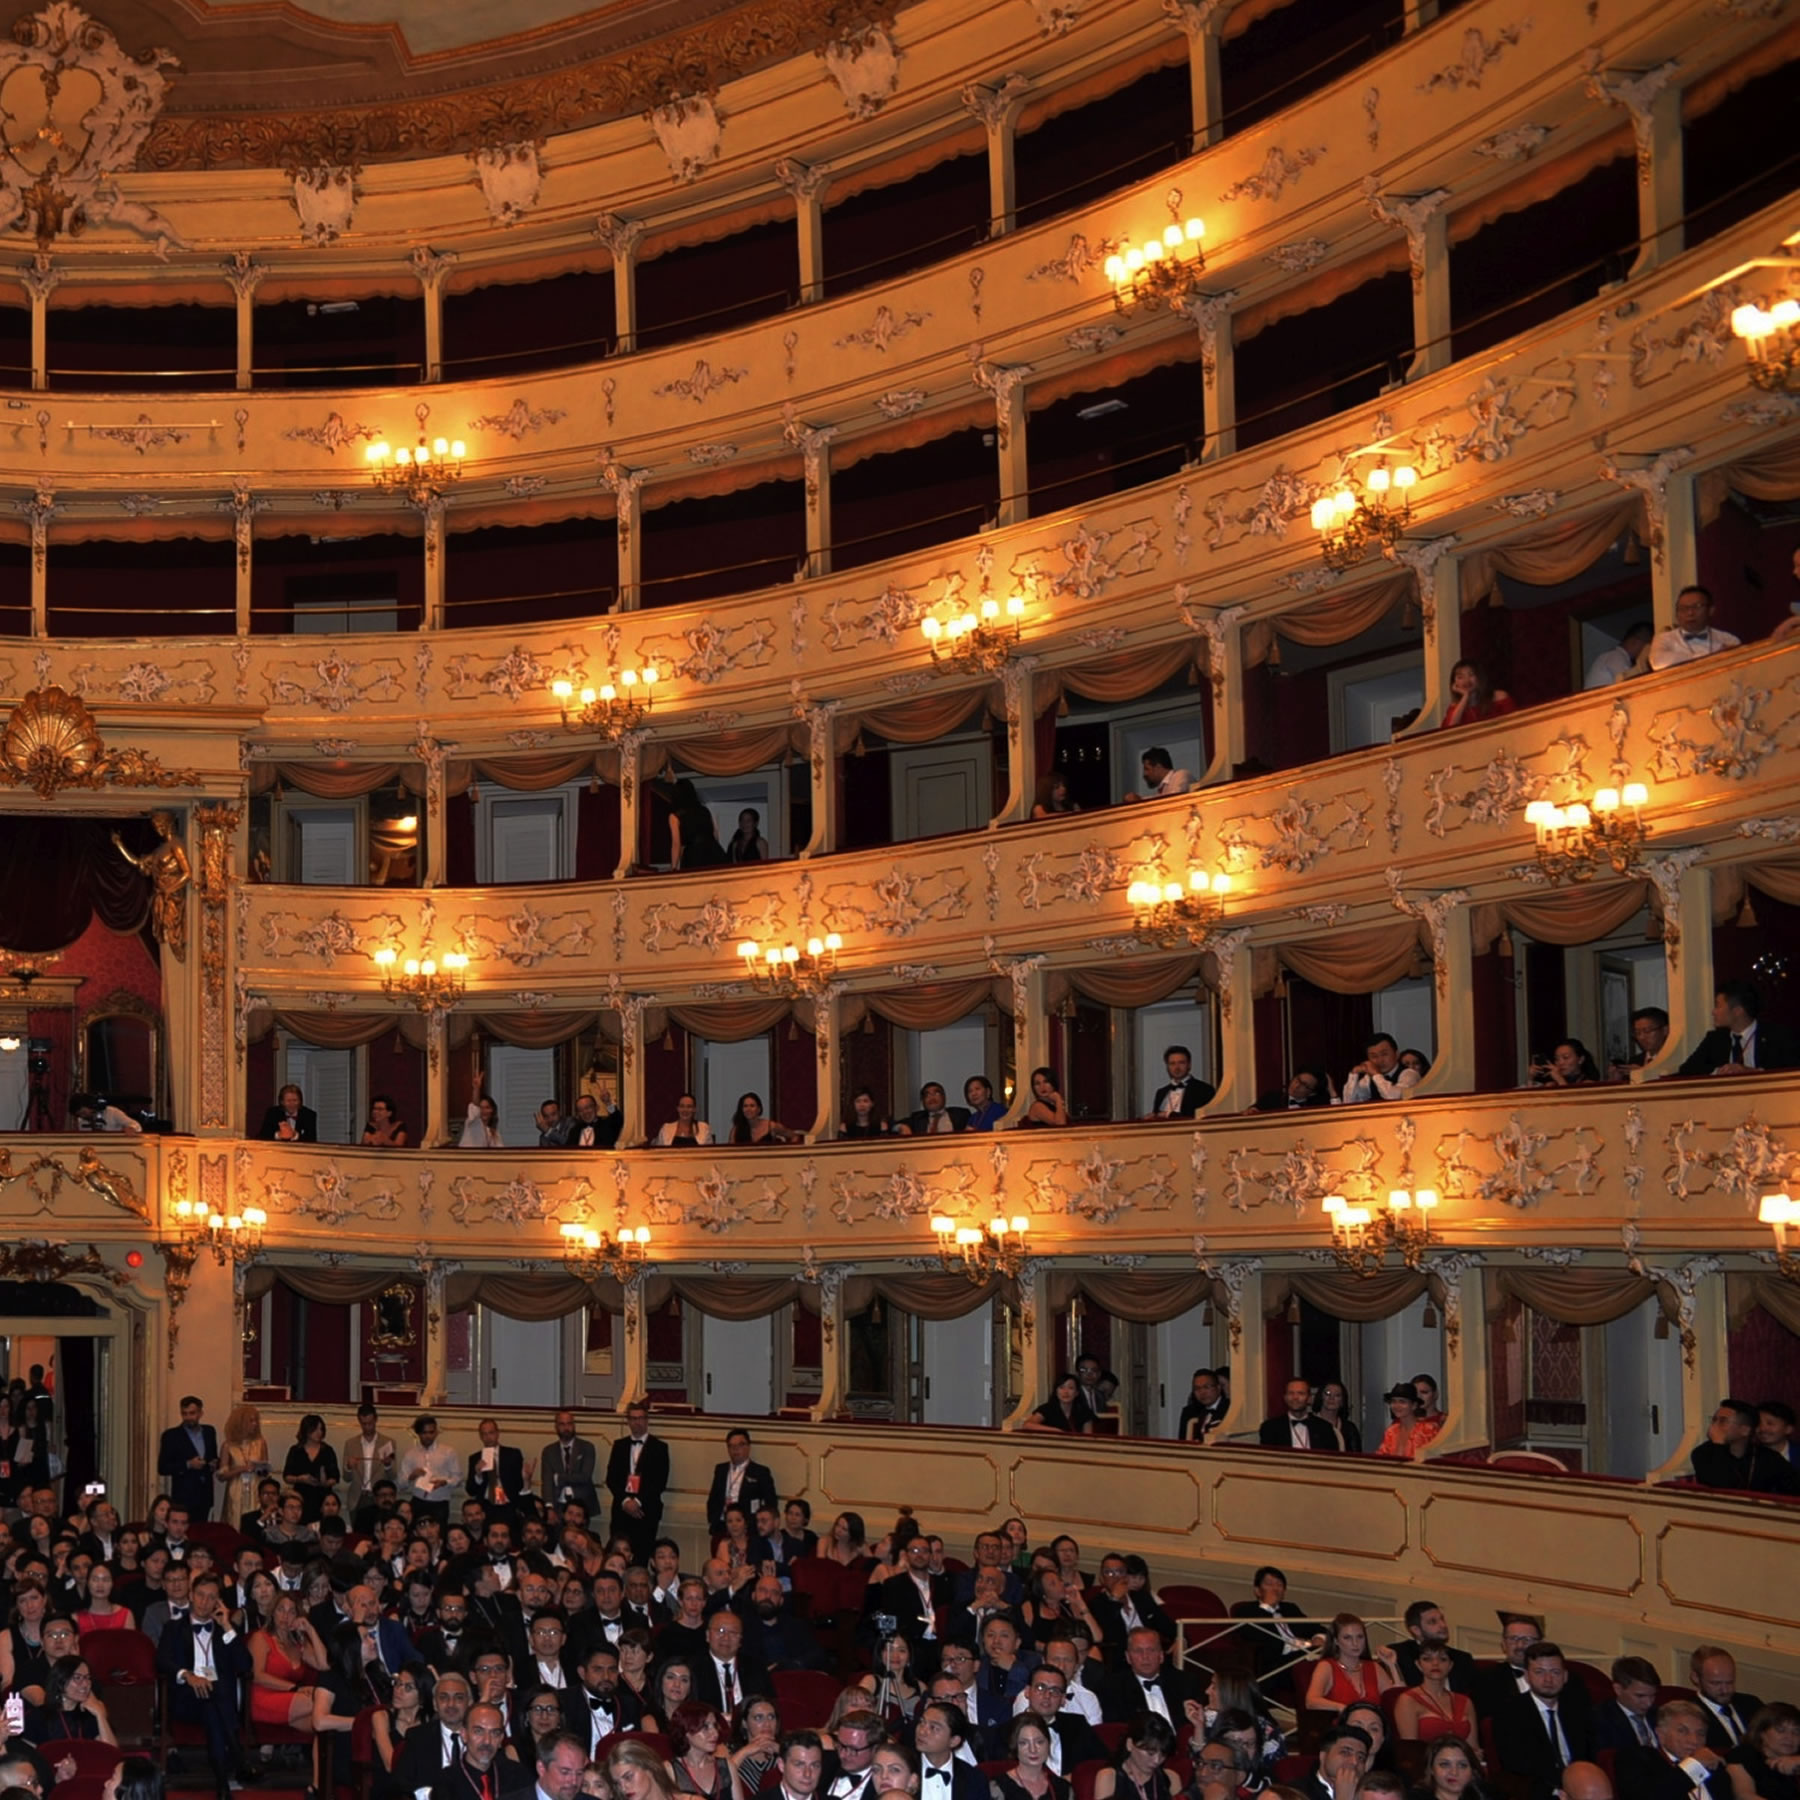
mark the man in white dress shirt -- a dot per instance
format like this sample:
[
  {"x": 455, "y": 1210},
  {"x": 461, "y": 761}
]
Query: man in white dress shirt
[{"x": 1693, "y": 635}]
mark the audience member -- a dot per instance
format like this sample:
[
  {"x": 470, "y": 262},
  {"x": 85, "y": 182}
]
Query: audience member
[
  {"x": 1426, "y": 1387},
  {"x": 430, "y": 1471},
  {"x": 1205, "y": 1409},
  {"x": 865, "y": 1120},
  {"x": 188, "y": 1458},
  {"x": 1273, "y": 1641},
  {"x": 1775, "y": 1431},
  {"x": 550, "y": 1124},
  {"x": 1569, "y": 1064},
  {"x": 1047, "y": 1108},
  {"x": 1625, "y": 1718},
  {"x": 985, "y": 1112},
  {"x": 1334, "y": 1409},
  {"x": 1494, "y": 1684},
  {"x": 1184, "y": 1093},
  {"x": 1649, "y": 1033},
  {"x": 750, "y": 1129},
  {"x": 1052, "y": 797},
  {"x": 1343, "y": 1759},
  {"x": 737, "y": 1481},
  {"x": 748, "y": 845},
  {"x": 1138, "y": 1769},
  {"x": 1297, "y": 1426},
  {"x": 1692, "y": 636},
  {"x": 1064, "y": 1411},
  {"x": 481, "y": 1129},
  {"x": 1540, "y": 1732},
  {"x": 686, "y": 1130},
  {"x": 290, "y": 1120},
  {"x": 1614, "y": 665},
  {"x": 1348, "y": 1671},
  {"x": 1379, "y": 1075},
  {"x": 1426, "y": 1624},
  {"x": 1473, "y": 697},
  {"x": 1739, "y": 1042},
  {"x": 594, "y": 1127},
  {"x": 1430, "y": 1707},
  {"x": 566, "y": 1467},
  {"x": 1416, "y": 1060},
  {"x": 693, "y": 833},
  {"x": 637, "y": 1476},
  {"x": 1452, "y": 1771},
  {"x": 1677, "y": 1764},
  {"x": 1161, "y": 777},
  {"x": 1766, "y": 1765},
  {"x": 1408, "y": 1433},
  {"x": 1306, "y": 1088},
  {"x": 386, "y": 1130},
  {"x": 1731, "y": 1456},
  {"x": 935, "y": 1118}
]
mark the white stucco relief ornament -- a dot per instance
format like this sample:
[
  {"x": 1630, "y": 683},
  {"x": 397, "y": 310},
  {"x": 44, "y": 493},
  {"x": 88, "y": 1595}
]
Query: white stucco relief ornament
[
  {"x": 77, "y": 109},
  {"x": 325, "y": 198},
  {"x": 865, "y": 64},
  {"x": 690, "y": 132},
  {"x": 511, "y": 179}
]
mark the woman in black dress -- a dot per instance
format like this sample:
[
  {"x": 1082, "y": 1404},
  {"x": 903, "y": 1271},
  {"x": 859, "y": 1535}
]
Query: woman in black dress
[
  {"x": 1766, "y": 1765},
  {"x": 1064, "y": 1411},
  {"x": 865, "y": 1120},
  {"x": 1029, "y": 1778},
  {"x": 311, "y": 1466}
]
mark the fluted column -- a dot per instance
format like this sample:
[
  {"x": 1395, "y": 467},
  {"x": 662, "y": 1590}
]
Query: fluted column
[
  {"x": 634, "y": 1353},
  {"x": 1652, "y": 98},
  {"x": 997, "y": 109},
  {"x": 1447, "y": 920},
  {"x": 436, "y": 835},
  {"x": 41, "y": 279},
  {"x": 431, "y": 266},
  {"x": 1684, "y": 887},
  {"x": 625, "y": 485},
  {"x": 1238, "y": 1291},
  {"x": 833, "y": 1346},
  {"x": 1225, "y": 672},
  {"x": 1211, "y": 314},
  {"x": 246, "y": 276},
  {"x": 435, "y": 1273},
  {"x": 1038, "y": 1330},
  {"x": 1202, "y": 21},
  {"x": 1031, "y": 1030},
  {"x": 620, "y": 236},
  {"x": 1461, "y": 1304},
  {"x": 807, "y": 183}
]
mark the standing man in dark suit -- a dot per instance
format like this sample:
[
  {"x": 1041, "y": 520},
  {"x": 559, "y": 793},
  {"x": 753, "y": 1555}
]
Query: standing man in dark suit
[
  {"x": 481, "y": 1772},
  {"x": 289, "y": 1121},
  {"x": 738, "y": 1482},
  {"x": 1298, "y": 1427},
  {"x": 913, "y": 1600},
  {"x": 496, "y": 1475},
  {"x": 189, "y": 1457},
  {"x": 637, "y": 1476},
  {"x": 205, "y": 1664},
  {"x": 1678, "y": 1765},
  {"x": 1546, "y": 1728},
  {"x": 566, "y": 1469},
  {"x": 1183, "y": 1094},
  {"x": 1739, "y": 1042}
]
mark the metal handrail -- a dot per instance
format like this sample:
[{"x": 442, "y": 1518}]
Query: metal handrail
[{"x": 1228, "y": 1625}]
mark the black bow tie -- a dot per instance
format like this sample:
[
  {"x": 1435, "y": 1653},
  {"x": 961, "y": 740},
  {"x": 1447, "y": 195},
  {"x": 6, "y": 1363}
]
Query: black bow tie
[
  {"x": 596, "y": 1704},
  {"x": 202, "y": 1630}
]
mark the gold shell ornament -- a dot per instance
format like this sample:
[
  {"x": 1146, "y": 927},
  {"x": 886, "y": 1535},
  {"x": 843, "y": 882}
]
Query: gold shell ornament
[{"x": 51, "y": 742}]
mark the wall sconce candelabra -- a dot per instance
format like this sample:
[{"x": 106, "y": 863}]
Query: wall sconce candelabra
[
  {"x": 235, "y": 1238},
  {"x": 978, "y": 640},
  {"x": 1361, "y": 1237},
  {"x": 22, "y": 968},
  {"x": 420, "y": 471},
  {"x": 789, "y": 969},
  {"x": 1575, "y": 842},
  {"x": 1778, "y": 1212},
  {"x": 1171, "y": 913},
  {"x": 427, "y": 982},
  {"x": 1350, "y": 525},
  {"x": 1773, "y": 340},
  {"x": 1001, "y": 1249},
  {"x": 589, "y": 1254},
  {"x": 612, "y": 709},
  {"x": 1166, "y": 271}
]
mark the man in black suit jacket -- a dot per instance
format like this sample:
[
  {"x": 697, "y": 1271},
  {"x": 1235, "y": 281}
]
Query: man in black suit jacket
[
  {"x": 1523, "y": 1729},
  {"x": 496, "y": 1473},
  {"x": 1497, "y": 1684},
  {"x": 482, "y": 1772},
  {"x": 1118, "y": 1608},
  {"x": 1732, "y": 1458},
  {"x": 1272, "y": 1641},
  {"x": 288, "y": 1120},
  {"x": 1307, "y": 1088},
  {"x": 1076, "y": 1740},
  {"x": 566, "y": 1468},
  {"x": 1426, "y": 1624},
  {"x": 637, "y": 1476},
  {"x": 429, "y": 1749},
  {"x": 1625, "y": 1719},
  {"x": 1147, "y": 1678},
  {"x": 189, "y": 1457},
  {"x": 1739, "y": 1042},
  {"x": 1343, "y": 1758},
  {"x": 913, "y": 1601},
  {"x": 727, "y": 1672},
  {"x": 595, "y": 1705},
  {"x": 935, "y": 1118},
  {"x": 1298, "y": 1427},
  {"x": 205, "y": 1664},
  {"x": 939, "y": 1732},
  {"x": 738, "y": 1481},
  {"x": 1712, "y": 1672},
  {"x": 1183, "y": 1094},
  {"x": 1680, "y": 1765}
]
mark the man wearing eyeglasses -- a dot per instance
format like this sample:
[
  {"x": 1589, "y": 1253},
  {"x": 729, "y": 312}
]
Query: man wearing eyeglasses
[
  {"x": 1072, "y": 1739},
  {"x": 1219, "y": 1771}
]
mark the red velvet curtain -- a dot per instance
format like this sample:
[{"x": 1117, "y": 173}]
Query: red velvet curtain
[{"x": 58, "y": 874}]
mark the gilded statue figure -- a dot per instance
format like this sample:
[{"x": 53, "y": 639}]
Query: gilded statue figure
[{"x": 167, "y": 867}]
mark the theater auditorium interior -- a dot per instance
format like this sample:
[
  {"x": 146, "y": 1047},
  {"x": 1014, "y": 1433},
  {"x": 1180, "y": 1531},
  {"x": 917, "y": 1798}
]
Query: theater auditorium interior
[{"x": 1095, "y": 576}]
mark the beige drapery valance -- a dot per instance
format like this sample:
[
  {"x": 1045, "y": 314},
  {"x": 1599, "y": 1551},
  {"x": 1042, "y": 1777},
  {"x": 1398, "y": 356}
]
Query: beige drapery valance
[
  {"x": 1130, "y": 984},
  {"x": 1127, "y": 676},
  {"x": 1581, "y": 1296},
  {"x": 1361, "y": 960},
  {"x": 1143, "y": 1297},
  {"x": 1327, "y": 621},
  {"x": 1579, "y": 915},
  {"x": 919, "y": 719},
  {"x": 336, "y": 781},
  {"x": 526, "y": 1029},
  {"x": 926, "y": 1296},
  {"x": 1357, "y": 1299},
  {"x": 1556, "y": 552},
  {"x": 1778, "y": 1297},
  {"x": 331, "y": 1287}
]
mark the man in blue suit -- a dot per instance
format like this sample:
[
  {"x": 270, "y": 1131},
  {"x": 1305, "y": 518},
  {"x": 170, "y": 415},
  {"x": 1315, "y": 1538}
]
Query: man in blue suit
[{"x": 189, "y": 1457}]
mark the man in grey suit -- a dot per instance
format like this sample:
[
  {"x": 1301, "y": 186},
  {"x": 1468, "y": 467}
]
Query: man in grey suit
[
  {"x": 566, "y": 1469},
  {"x": 369, "y": 1457}
]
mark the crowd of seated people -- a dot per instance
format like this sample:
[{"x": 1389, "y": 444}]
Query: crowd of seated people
[{"x": 467, "y": 1625}]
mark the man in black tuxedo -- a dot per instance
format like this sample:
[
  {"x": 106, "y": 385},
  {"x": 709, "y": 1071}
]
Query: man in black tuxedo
[
  {"x": 1205, "y": 1409},
  {"x": 429, "y": 1749},
  {"x": 803, "y": 1766},
  {"x": 1307, "y": 1088},
  {"x": 939, "y": 1732},
  {"x": 637, "y": 1476},
  {"x": 288, "y": 1120},
  {"x": 738, "y": 1482},
  {"x": 496, "y": 1474},
  {"x": 1072, "y": 1739},
  {"x": 1739, "y": 1042},
  {"x": 849, "y": 1770},
  {"x": 482, "y": 1772},
  {"x": 1498, "y": 1683},
  {"x": 1298, "y": 1427},
  {"x": 1625, "y": 1719},
  {"x": 1426, "y": 1624},
  {"x": 913, "y": 1600},
  {"x": 1732, "y": 1458},
  {"x": 1183, "y": 1094},
  {"x": 1119, "y": 1608},
  {"x": 1343, "y": 1757},
  {"x": 1712, "y": 1671},
  {"x": 494, "y": 1613},
  {"x": 935, "y": 1117},
  {"x": 727, "y": 1672},
  {"x": 595, "y": 1705},
  {"x": 1678, "y": 1765},
  {"x": 205, "y": 1664},
  {"x": 1149, "y": 1682},
  {"x": 1272, "y": 1640},
  {"x": 1548, "y": 1726},
  {"x": 189, "y": 1457}
]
